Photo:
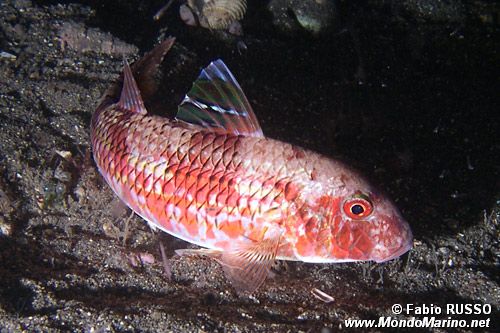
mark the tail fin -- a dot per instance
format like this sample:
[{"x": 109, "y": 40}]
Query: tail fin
[{"x": 143, "y": 71}]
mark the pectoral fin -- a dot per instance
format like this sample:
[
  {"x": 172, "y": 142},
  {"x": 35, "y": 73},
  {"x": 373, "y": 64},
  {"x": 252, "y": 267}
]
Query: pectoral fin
[{"x": 247, "y": 265}]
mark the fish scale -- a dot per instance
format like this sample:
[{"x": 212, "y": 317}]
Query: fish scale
[
  {"x": 195, "y": 170},
  {"x": 210, "y": 177}
]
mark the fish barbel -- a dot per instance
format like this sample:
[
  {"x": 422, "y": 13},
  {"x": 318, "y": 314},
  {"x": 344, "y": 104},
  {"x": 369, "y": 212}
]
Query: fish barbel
[{"x": 210, "y": 177}]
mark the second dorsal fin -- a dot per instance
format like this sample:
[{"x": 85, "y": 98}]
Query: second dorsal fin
[{"x": 217, "y": 102}]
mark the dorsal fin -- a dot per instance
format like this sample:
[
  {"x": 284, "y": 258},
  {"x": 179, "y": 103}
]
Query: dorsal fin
[
  {"x": 130, "y": 98},
  {"x": 216, "y": 101}
]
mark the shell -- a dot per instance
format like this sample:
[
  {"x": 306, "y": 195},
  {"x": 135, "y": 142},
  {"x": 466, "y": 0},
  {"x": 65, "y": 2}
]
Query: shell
[{"x": 218, "y": 14}]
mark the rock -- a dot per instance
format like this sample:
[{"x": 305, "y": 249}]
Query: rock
[
  {"x": 431, "y": 10},
  {"x": 314, "y": 16},
  {"x": 215, "y": 14},
  {"x": 78, "y": 37}
]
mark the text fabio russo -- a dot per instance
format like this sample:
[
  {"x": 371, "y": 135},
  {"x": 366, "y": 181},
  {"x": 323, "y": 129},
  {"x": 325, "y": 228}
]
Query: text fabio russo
[{"x": 448, "y": 309}]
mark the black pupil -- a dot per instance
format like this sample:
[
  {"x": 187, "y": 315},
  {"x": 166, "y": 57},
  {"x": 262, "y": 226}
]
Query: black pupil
[{"x": 357, "y": 209}]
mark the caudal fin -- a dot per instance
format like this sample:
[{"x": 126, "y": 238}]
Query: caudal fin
[{"x": 143, "y": 71}]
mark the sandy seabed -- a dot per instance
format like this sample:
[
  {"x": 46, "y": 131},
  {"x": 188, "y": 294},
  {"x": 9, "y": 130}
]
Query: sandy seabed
[{"x": 412, "y": 102}]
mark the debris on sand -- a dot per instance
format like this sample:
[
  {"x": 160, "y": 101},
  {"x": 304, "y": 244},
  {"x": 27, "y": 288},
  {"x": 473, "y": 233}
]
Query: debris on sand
[{"x": 80, "y": 38}]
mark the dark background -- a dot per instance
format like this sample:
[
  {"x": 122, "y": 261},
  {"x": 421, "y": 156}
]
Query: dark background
[{"x": 405, "y": 91}]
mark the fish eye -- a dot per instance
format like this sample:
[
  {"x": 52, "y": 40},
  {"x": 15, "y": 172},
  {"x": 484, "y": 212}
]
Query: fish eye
[{"x": 357, "y": 207}]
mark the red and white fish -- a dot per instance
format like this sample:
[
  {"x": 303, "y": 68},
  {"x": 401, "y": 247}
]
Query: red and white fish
[{"x": 211, "y": 178}]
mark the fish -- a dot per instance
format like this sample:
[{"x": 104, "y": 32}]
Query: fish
[{"x": 210, "y": 176}]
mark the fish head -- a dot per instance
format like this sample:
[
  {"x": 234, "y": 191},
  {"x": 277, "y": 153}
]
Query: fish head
[
  {"x": 368, "y": 226},
  {"x": 351, "y": 222}
]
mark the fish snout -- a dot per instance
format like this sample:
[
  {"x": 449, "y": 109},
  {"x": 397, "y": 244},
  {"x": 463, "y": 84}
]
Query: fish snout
[{"x": 396, "y": 242}]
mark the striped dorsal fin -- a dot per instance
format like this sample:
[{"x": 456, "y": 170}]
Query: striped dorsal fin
[{"x": 217, "y": 102}]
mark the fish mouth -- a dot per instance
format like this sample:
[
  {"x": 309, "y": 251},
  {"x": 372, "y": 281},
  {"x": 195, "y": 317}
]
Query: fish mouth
[
  {"x": 402, "y": 250},
  {"x": 405, "y": 244}
]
